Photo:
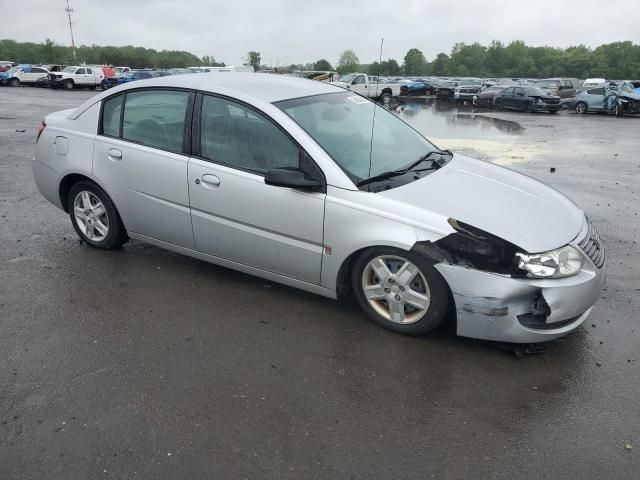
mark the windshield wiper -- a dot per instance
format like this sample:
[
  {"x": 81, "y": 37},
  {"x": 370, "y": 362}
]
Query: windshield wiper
[{"x": 410, "y": 168}]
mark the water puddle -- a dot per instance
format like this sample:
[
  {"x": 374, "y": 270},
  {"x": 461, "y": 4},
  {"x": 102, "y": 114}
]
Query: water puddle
[{"x": 469, "y": 132}]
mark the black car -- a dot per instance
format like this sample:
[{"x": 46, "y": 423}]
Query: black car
[
  {"x": 527, "y": 99},
  {"x": 446, "y": 90}
]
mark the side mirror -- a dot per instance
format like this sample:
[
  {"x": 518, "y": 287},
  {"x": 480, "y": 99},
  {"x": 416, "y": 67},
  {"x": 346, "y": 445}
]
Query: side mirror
[{"x": 285, "y": 177}]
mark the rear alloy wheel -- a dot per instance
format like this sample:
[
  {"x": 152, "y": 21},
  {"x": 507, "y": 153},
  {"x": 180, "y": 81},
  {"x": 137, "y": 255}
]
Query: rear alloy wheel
[
  {"x": 14, "y": 82},
  {"x": 94, "y": 217},
  {"x": 581, "y": 108},
  {"x": 400, "y": 291}
]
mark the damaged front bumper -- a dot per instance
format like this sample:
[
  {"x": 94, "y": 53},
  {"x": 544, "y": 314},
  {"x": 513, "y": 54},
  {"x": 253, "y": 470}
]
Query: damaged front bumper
[{"x": 497, "y": 307}]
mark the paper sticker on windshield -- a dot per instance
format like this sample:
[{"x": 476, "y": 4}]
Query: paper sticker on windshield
[{"x": 358, "y": 100}]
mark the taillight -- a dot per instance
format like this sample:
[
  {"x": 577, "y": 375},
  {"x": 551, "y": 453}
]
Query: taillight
[{"x": 40, "y": 130}]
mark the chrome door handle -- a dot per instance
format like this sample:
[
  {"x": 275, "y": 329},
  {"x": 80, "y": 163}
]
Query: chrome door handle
[
  {"x": 210, "y": 180},
  {"x": 113, "y": 153}
]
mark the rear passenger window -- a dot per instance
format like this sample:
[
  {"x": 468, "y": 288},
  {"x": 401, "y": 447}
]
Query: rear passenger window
[
  {"x": 155, "y": 118},
  {"x": 111, "y": 116},
  {"x": 596, "y": 91},
  {"x": 235, "y": 135},
  {"x": 80, "y": 71}
]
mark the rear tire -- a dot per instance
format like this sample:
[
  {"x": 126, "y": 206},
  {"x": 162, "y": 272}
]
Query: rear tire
[
  {"x": 581, "y": 108},
  {"x": 94, "y": 216},
  {"x": 400, "y": 290}
]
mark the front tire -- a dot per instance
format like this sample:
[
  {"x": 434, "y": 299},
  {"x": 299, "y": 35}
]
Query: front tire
[
  {"x": 14, "y": 82},
  {"x": 400, "y": 290},
  {"x": 385, "y": 98},
  {"x": 68, "y": 84},
  {"x": 498, "y": 104},
  {"x": 94, "y": 217}
]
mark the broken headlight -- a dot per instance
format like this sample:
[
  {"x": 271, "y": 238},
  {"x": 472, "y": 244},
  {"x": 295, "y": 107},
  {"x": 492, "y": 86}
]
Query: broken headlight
[{"x": 563, "y": 262}]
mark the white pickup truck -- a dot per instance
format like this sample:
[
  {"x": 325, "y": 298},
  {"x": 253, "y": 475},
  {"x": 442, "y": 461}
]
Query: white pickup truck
[
  {"x": 368, "y": 86},
  {"x": 82, "y": 76}
]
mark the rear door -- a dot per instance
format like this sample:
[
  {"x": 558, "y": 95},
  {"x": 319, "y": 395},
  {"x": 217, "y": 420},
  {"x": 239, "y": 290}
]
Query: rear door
[
  {"x": 235, "y": 214},
  {"x": 595, "y": 99},
  {"x": 140, "y": 156}
]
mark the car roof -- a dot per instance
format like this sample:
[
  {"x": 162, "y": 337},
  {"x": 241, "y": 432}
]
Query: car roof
[
  {"x": 257, "y": 89},
  {"x": 266, "y": 87}
]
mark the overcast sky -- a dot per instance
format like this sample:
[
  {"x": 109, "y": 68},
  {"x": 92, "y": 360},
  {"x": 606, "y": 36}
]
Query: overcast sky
[{"x": 300, "y": 31}]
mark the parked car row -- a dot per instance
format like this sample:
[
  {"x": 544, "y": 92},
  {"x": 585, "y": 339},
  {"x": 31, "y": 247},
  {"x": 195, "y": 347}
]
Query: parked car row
[{"x": 92, "y": 76}]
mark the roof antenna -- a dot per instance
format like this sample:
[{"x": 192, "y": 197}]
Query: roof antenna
[{"x": 375, "y": 106}]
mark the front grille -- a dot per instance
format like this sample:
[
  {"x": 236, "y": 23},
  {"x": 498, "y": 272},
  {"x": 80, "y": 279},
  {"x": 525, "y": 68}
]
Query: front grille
[
  {"x": 553, "y": 101},
  {"x": 468, "y": 90},
  {"x": 592, "y": 246}
]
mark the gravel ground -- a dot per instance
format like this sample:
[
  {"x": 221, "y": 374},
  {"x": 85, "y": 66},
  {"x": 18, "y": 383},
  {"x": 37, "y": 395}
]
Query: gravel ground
[{"x": 141, "y": 363}]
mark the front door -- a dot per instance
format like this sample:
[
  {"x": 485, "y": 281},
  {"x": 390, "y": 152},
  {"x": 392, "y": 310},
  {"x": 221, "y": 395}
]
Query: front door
[
  {"x": 235, "y": 215},
  {"x": 359, "y": 85},
  {"x": 139, "y": 156}
]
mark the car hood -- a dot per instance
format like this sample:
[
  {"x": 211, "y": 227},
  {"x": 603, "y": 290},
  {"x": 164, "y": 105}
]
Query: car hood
[
  {"x": 498, "y": 200},
  {"x": 4, "y": 75}
]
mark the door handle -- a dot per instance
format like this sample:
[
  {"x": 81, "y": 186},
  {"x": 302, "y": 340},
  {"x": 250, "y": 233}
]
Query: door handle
[
  {"x": 210, "y": 180},
  {"x": 113, "y": 153}
]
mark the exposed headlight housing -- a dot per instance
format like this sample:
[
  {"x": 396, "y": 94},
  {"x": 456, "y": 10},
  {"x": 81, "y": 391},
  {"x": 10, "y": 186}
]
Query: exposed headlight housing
[{"x": 563, "y": 262}]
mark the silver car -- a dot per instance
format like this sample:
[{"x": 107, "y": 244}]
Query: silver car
[{"x": 303, "y": 183}]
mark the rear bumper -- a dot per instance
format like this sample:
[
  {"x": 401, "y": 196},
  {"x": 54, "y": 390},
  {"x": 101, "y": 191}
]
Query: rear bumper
[
  {"x": 48, "y": 182},
  {"x": 506, "y": 309}
]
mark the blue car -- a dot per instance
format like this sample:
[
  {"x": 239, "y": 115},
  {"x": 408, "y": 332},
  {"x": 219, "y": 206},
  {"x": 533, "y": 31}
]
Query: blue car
[
  {"x": 126, "y": 77},
  {"x": 618, "y": 99},
  {"x": 416, "y": 88}
]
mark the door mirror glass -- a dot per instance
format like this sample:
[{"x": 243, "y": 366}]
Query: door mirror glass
[{"x": 291, "y": 178}]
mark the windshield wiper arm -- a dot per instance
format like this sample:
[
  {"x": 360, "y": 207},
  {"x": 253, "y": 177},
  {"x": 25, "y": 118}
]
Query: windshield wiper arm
[
  {"x": 427, "y": 157},
  {"x": 394, "y": 173}
]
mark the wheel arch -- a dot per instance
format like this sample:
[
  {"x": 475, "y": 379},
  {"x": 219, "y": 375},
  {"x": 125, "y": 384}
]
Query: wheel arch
[{"x": 70, "y": 179}]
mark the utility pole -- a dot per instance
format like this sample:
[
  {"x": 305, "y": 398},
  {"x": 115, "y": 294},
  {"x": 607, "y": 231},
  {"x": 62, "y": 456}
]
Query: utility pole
[{"x": 69, "y": 10}]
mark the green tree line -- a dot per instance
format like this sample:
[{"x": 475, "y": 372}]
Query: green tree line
[
  {"x": 618, "y": 60},
  {"x": 135, "y": 57}
]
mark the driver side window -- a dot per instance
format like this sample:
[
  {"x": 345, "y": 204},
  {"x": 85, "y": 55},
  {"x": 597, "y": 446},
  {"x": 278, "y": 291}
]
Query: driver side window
[
  {"x": 359, "y": 80},
  {"x": 237, "y": 136}
]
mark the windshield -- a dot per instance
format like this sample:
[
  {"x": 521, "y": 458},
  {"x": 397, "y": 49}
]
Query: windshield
[
  {"x": 469, "y": 82},
  {"x": 348, "y": 78},
  {"x": 535, "y": 92},
  {"x": 548, "y": 84},
  {"x": 341, "y": 124},
  {"x": 70, "y": 69},
  {"x": 126, "y": 75},
  {"x": 449, "y": 84},
  {"x": 13, "y": 70}
]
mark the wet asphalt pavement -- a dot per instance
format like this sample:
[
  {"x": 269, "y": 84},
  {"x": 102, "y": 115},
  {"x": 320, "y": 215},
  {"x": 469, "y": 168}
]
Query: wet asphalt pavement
[{"x": 140, "y": 363}]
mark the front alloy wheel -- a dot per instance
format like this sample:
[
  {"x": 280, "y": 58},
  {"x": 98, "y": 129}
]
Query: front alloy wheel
[{"x": 400, "y": 290}]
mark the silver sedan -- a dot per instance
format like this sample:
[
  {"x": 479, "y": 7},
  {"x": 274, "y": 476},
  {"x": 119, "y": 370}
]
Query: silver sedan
[{"x": 307, "y": 184}]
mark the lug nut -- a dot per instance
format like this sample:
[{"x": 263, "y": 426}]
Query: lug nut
[
  {"x": 401, "y": 288},
  {"x": 397, "y": 297},
  {"x": 387, "y": 290}
]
